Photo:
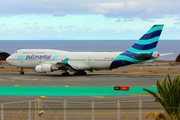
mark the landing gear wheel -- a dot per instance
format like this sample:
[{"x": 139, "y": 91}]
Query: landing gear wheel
[
  {"x": 80, "y": 73},
  {"x": 84, "y": 73},
  {"x": 21, "y": 71},
  {"x": 65, "y": 74},
  {"x": 75, "y": 74}
]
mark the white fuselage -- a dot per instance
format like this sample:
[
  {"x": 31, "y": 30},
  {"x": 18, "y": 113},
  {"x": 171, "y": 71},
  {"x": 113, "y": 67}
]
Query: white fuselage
[{"x": 30, "y": 58}]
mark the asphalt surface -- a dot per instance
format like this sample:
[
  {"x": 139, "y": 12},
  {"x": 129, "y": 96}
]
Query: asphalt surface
[{"x": 55, "y": 79}]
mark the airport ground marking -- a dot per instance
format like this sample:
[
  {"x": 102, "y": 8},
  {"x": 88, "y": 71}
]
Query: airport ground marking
[
  {"x": 80, "y": 91},
  {"x": 98, "y": 96},
  {"x": 42, "y": 96},
  {"x": 66, "y": 86}
]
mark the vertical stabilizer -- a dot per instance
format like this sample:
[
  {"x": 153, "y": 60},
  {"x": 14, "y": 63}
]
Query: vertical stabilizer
[{"x": 144, "y": 47}]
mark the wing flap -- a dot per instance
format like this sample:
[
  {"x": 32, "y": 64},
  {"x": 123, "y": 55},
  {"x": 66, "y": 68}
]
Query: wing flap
[
  {"x": 78, "y": 65},
  {"x": 69, "y": 65}
]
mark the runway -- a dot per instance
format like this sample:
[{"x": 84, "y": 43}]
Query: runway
[{"x": 91, "y": 80}]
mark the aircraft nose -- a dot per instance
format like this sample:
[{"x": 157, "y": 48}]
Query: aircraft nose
[{"x": 8, "y": 59}]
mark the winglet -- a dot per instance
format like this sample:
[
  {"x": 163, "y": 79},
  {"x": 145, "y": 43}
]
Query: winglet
[{"x": 65, "y": 60}]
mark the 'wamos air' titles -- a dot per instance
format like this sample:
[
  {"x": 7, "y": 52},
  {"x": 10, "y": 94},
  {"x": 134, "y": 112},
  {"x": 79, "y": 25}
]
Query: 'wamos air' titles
[{"x": 48, "y": 60}]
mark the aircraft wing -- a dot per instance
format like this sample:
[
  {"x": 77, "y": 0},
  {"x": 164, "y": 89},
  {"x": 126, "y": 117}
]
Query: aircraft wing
[
  {"x": 51, "y": 66},
  {"x": 68, "y": 65},
  {"x": 78, "y": 65},
  {"x": 61, "y": 64},
  {"x": 65, "y": 61}
]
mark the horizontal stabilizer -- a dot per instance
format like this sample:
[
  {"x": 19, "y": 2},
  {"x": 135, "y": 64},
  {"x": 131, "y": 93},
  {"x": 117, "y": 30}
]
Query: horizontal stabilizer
[
  {"x": 142, "y": 56},
  {"x": 165, "y": 54}
]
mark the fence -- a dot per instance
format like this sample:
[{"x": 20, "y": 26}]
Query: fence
[{"x": 64, "y": 110}]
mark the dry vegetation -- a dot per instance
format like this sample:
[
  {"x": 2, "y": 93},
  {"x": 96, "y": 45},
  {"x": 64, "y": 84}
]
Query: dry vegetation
[{"x": 157, "y": 67}]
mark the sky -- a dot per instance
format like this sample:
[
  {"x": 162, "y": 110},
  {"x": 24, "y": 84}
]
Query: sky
[{"x": 87, "y": 19}]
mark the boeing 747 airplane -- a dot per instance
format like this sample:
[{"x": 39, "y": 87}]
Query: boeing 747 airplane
[{"x": 49, "y": 60}]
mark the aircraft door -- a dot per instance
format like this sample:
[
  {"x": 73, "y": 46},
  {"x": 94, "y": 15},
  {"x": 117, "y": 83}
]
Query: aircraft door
[{"x": 89, "y": 60}]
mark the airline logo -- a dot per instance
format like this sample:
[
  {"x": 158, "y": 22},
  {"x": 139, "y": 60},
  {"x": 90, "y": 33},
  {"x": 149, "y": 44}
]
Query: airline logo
[
  {"x": 37, "y": 57},
  {"x": 33, "y": 57}
]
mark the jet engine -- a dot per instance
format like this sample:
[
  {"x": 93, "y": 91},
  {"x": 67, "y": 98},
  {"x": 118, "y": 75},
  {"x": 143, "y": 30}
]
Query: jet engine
[
  {"x": 45, "y": 68},
  {"x": 155, "y": 55}
]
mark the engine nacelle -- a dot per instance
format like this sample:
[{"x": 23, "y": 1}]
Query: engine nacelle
[
  {"x": 45, "y": 68},
  {"x": 155, "y": 55}
]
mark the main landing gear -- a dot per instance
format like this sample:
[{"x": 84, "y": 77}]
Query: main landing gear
[
  {"x": 80, "y": 73},
  {"x": 77, "y": 73},
  {"x": 65, "y": 73},
  {"x": 21, "y": 71}
]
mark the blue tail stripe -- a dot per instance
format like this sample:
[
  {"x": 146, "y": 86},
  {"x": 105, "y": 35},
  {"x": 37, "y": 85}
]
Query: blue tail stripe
[
  {"x": 155, "y": 28},
  {"x": 146, "y": 44},
  {"x": 145, "y": 47},
  {"x": 141, "y": 51},
  {"x": 120, "y": 63},
  {"x": 128, "y": 53},
  {"x": 148, "y": 41},
  {"x": 151, "y": 35},
  {"x": 127, "y": 58}
]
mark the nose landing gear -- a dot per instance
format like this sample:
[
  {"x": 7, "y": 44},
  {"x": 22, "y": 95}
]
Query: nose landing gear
[{"x": 21, "y": 71}]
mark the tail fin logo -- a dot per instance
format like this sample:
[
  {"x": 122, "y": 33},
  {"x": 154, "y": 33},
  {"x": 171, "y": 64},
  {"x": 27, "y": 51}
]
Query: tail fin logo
[{"x": 145, "y": 45}]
